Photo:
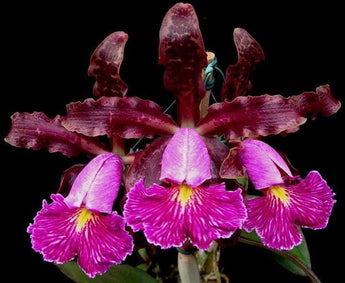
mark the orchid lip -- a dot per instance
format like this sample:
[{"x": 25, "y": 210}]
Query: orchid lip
[
  {"x": 61, "y": 233},
  {"x": 188, "y": 209},
  {"x": 278, "y": 214}
]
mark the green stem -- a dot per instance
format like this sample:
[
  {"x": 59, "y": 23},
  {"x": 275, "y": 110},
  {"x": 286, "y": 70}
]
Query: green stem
[
  {"x": 127, "y": 160},
  {"x": 118, "y": 145},
  {"x": 299, "y": 263}
]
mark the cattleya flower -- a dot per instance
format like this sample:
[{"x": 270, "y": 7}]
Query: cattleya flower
[
  {"x": 174, "y": 188},
  {"x": 188, "y": 208},
  {"x": 83, "y": 224},
  {"x": 287, "y": 202}
]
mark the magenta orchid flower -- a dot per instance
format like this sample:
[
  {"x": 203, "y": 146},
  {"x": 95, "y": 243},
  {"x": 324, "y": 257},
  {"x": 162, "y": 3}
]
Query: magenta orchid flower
[
  {"x": 288, "y": 202},
  {"x": 83, "y": 224},
  {"x": 187, "y": 208},
  {"x": 175, "y": 187}
]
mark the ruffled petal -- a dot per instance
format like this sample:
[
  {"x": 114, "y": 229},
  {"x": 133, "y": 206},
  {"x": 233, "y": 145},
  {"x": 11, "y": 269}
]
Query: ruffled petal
[
  {"x": 273, "y": 221},
  {"x": 213, "y": 213},
  {"x": 260, "y": 167},
  {"x": 128, "y": 117},
  {"x": 53, "y": 231},
  {"x": 264, "y": 115},
  {"x": 312, "y": 201},
  {"x": 277, "y": 215},
  {"x": 37, "y": 131},
  {"x": 97, "y": 185},
  {"x": 186, "y": 159},
  {"x": 169, "y": 216},
  {"x": 103, "y": 243},
  {"x": 60, "y": 233},
  {"x": 155, "y": 211}
]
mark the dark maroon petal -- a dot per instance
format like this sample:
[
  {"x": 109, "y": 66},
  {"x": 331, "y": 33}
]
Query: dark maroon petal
[
  {"x": 231, "y": 167},
  {"x": 258, "y": 116},
  {"x": 320, "y": 102},
  {"x": 218, "y": 152},
  {"x": 237, "y": 76},
  {"x": 37, "y": 131},
  {"x": 294, "y": 171},
  {"x": 128, "y": 117},
  {"x": 105, "y": 66},
  {"x": 147, "y": 164},
  {"x": 182, "y": 52},
  {"x": 251, "y": 116}
]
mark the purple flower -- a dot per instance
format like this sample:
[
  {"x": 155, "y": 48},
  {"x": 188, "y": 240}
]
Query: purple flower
[
  {"x": 175, "y": 189},
  {"x": 83, "y": 224},
  {"x": 187, "y": 208},
  {"x": 288, "y": 202}
]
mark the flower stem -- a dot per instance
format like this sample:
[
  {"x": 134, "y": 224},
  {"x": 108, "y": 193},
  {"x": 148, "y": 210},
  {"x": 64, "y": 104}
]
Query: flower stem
[
  {"x": 188, "y": 268},
  {"x": 312, "y": 276},
  {"x": 118, "y": 145}
]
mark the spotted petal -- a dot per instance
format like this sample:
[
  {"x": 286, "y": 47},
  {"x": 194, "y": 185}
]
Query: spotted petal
[
  {"x": 182, "y": 52},
  {"x": 105, "y": 65},
  {"x": 250, "y": 53}
]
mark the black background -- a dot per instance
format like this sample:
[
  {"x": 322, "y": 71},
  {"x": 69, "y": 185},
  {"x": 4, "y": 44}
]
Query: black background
[{"x": 45, "y": 54}]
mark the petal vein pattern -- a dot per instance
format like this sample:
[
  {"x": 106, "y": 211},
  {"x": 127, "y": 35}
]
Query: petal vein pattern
[{"x": 186, "y": 209}]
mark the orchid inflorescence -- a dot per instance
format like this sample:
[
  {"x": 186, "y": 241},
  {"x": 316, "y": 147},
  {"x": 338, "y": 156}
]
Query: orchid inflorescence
[{"x": 185, "y": 189}]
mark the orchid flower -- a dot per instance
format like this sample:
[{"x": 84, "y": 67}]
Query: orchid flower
[
  {"x": 187, "y": 208},
  {"x": 174, "y": 188},
  {"x": 83, "y": 223},
  {"x": 288, "y": 202}
]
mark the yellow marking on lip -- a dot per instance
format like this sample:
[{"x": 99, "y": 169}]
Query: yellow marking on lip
[
  {"x": 84, "y": 216},
  {"x": 280, "y": 193},
  {"x": 184, "y": 195}
]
